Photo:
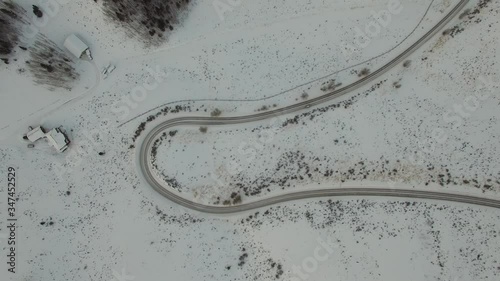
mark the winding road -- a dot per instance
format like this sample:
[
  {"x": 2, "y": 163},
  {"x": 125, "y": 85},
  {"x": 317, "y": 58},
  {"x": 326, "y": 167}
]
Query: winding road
[{"x": 160, "y": 186}]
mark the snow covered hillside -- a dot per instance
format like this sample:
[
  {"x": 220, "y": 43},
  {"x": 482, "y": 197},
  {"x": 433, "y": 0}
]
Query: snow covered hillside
[{"x": 430, "y": 123}]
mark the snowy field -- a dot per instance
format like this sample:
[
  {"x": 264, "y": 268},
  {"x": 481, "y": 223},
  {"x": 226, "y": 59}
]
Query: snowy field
[{"x": 431, "y": 123}]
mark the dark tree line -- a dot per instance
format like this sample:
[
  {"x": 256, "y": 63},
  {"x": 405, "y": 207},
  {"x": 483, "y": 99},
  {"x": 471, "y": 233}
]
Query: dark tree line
[
  {"x": 148, "y": 20},
  {"x": 50, "y": 65},
  {"x": 12, "y": 19}
]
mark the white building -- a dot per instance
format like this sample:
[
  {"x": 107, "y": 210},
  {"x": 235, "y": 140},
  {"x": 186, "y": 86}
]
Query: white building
[
  {"x": 58, "y": 139},
  {"x": 76, "y": 46},
  {"x": 55, "y": 137},
  {"x": 35, "y": 134}
]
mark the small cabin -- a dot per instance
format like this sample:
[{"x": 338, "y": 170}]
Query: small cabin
[
  {"x": 35, "y": 134},
  {"x": 77, "y": 47}
]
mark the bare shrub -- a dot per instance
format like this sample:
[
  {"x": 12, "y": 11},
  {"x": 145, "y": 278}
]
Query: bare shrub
[
  {"x": 216, "y": 113},
  {"x": 234, "y": 199},
  {"x": 464, "y": 14},
  {"x": 237, "y": 200},
  {"x": 407, "y": 63},
  {"x": 203, "y": 129},
  {"x": 330, "y": 85},
  {"x": 447, "y": 31},
  {"x": 363, "y": 72}
]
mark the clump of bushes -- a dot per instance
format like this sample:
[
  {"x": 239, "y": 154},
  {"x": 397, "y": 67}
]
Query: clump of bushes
[
  {"x": 139, "y": 130},
  {"x": 203, "y": 129},
  {"x": 234, "y": 200},
  {"x": 464, "y": 14},
  {"x": 363, "y": 72},
  {"x": 266, "y": 107},
  {"x": 237, "y": 200},
  {"x": 447, "y": 31},
  {"x": 37, "y": 11},
  {"x": 216, "y": 113},
  {"x": 330, "y": 85}
]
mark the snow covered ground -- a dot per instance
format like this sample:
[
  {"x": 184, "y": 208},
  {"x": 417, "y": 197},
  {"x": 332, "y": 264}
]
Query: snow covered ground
[
  {"x": 87, "y": 215},
  {"x": 430, "y": 124}
]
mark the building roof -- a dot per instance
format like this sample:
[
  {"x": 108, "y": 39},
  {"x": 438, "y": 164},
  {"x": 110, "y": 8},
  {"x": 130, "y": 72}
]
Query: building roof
[
  {"x": 75, "y": 46},
  {"x": 57, "y": 139},
  {"x": 35, "y": 134}
]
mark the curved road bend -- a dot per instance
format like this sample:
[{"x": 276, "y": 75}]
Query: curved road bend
[{"x": 159, "y": 185}]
